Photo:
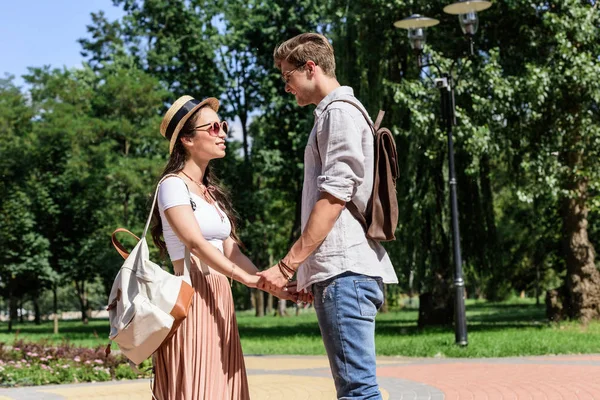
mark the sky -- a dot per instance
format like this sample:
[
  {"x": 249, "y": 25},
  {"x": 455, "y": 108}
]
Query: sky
[{"x": 35, "y": 33}]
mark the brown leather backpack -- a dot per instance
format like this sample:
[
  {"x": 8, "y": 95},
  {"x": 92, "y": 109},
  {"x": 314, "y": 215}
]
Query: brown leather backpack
[{"x": 381, "y": 216}]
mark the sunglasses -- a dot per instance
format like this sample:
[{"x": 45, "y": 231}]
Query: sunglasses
[
  {"x": 286, "y": 76},
  {"x": 214, "y": 128}
]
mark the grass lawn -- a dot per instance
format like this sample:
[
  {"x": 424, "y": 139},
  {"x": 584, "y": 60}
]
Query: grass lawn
[{"x": 495, "y": 330}]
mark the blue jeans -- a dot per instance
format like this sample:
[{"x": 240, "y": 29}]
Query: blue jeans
[{"x": 346, "y": 307}]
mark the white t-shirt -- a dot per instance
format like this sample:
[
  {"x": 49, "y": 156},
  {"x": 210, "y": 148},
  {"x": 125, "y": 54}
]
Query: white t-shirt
[{"x": 174, "y": 192}]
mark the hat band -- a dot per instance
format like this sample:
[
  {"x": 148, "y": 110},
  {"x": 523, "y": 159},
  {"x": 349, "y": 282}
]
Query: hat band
[{"x": 182, "y": 112}]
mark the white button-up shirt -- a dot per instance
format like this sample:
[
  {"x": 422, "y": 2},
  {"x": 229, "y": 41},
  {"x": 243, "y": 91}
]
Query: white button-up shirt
[{"x": 339, "y": 160}]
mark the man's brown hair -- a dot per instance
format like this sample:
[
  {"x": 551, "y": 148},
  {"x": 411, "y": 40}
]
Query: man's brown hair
[{"x": 307, "y": 46}]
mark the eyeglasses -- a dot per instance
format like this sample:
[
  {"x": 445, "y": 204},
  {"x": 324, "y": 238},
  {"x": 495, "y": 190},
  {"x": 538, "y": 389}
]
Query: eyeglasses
[
  {"x": 215, "y": 128},
  {"x": 286, "y": 76}
]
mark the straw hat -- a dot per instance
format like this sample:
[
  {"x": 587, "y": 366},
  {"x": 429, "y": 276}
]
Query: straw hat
[{"x": 179, "y": 113}]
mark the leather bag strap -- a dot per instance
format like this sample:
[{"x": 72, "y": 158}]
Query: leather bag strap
[{"x": 118, "y": 246}]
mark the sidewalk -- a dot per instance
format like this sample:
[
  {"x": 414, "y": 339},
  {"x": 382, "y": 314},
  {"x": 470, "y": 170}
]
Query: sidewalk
[{"x": 308, "y": 378}]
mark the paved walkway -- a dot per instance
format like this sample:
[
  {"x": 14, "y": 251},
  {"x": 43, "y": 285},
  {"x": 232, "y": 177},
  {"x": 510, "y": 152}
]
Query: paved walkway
[{"x": 308, "y": 378}]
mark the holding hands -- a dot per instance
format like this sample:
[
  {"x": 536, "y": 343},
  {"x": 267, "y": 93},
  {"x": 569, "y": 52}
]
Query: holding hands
[
  {"x": 274, "y": 278},
  {"x": 277, "y": 280}
]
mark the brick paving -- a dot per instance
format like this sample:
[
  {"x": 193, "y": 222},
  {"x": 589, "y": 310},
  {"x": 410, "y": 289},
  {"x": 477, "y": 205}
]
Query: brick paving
[{"x": 308, "y": 378}]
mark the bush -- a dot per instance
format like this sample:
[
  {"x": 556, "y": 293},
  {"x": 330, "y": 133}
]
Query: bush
[{"x": 27, "y": 364}]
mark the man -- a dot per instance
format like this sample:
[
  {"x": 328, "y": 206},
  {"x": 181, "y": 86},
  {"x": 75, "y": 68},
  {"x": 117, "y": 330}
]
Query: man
[{"x": 333, "y": 256}]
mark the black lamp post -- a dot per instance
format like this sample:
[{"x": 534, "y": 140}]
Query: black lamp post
[{"x": 469, "y": 22}]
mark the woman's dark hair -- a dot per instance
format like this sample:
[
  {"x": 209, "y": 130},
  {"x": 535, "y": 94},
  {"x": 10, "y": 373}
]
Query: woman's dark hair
[{"x": 176, "y": 163}]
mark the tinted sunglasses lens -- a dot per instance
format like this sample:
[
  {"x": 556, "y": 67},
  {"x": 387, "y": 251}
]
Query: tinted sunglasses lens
[{"x": 216, "y": 128}]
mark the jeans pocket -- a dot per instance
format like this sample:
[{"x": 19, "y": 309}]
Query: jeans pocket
[
  {"x": 370, "y": 296},
  {"x": 324, "y": 293}
]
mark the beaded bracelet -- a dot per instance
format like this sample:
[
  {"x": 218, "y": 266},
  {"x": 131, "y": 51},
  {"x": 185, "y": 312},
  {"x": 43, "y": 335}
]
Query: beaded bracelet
[{"x": 286, "y": 271}]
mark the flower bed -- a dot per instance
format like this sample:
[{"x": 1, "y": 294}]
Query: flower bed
[{"x": 30, "y": 364}]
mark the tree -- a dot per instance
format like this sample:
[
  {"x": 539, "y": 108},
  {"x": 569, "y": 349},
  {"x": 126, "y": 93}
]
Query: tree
[
  {"x": 99, "y": 154},
  {"x": 564, "y": 124},
  {"x": 24, "y": 266}
]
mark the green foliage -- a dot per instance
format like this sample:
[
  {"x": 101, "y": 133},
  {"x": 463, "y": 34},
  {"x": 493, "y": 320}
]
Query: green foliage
[
  {"x": 88, "y": 155},
  {"x": 81, "y": 150}
]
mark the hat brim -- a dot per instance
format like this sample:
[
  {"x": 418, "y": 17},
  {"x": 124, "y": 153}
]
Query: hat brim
[{"x": 212, "y": 102}]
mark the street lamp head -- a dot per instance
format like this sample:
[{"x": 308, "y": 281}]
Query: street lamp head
[
  {"x": 417, "y": 37},
  {"x": 467, "y": 14},
  {"x": 416, "y": 25},
  {"x": 469, "y": 23},
  {"x": 467, "y": 6}
]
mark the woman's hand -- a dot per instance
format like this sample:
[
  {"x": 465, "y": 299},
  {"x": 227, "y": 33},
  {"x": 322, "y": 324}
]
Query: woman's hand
[
  {"x": 250, "y": 280},
  {"x": 272, "y": 279}
]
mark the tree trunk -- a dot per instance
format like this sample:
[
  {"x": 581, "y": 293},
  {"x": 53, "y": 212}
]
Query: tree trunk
[
  {"x": 13, "y": 311},
  {"x": 411, "y": 291},
  {"x": 260, "y": 303},
  {"x": 252, "y": 298},
  {"x": 55, "y": 307},
  {"x": 281, "y": 308},
  {"x": 244, "y": 122},
  {"x": 36, "y": 309},
  {"x": 21, "y": 311},
  {"x": 471, "y": 220},
  {"x": 83, "y": 303},
  {"x": 580, "y": 298},
  {"x": 295, "y": 232},
  {"x": 269, "y": 304},
  {"x": 384, "y": 307},
  {"x": 537, "y": 285},
  {"x": 126, "y": 208},
  {"x": 487, "y": 199},
  {"x": 583, "y": 278},
  {"x": 436, "y": 307}
]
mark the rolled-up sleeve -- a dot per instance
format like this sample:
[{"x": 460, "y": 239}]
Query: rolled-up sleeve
[{"x": 341, "y": 152}]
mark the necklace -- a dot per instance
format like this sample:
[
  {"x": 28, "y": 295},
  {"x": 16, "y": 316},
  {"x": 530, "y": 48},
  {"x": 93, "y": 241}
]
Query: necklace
[{"x": 206, "y": 194}]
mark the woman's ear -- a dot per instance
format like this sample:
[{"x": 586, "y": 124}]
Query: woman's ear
[{"x": 187, "y": 141}]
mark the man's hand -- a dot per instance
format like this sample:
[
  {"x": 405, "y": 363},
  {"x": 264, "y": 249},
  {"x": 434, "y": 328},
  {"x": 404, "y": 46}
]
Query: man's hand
[
  {"x": 285, "y": 295},
  {"x": 290, "y": 292},
  {"x": 305, "y": 297},
  {"x": 302, "y": 296},
  {"x": 272, "y": 279}
]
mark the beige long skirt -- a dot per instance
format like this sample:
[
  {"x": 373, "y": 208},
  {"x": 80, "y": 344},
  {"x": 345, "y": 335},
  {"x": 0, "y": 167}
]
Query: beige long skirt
[{"x": 203, "y": 360}]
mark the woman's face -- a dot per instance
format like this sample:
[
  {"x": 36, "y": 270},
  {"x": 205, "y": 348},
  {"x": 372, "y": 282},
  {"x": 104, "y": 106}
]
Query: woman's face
[{"x": 209, "y": 141}]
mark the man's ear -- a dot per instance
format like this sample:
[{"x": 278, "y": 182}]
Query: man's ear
[{"x": 311, "y": 66}]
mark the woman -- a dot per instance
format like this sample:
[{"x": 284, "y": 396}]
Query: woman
[{"x": 204, "y": 359}]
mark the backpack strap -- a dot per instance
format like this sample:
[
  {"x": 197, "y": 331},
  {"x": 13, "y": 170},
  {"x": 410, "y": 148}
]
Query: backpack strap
[
  {"x": 361, "y": 109},
  {"x": 374, "y": 128},
  {"x": 378, "y": 120}
]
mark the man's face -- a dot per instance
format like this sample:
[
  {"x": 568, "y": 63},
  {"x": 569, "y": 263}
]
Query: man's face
[{"x": 297, "y": 82}]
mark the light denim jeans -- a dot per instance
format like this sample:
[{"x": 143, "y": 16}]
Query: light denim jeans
[{"x": 346, "y": 307}]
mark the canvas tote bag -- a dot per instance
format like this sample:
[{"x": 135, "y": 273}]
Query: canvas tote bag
[{"x": 146, "y": 304}]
